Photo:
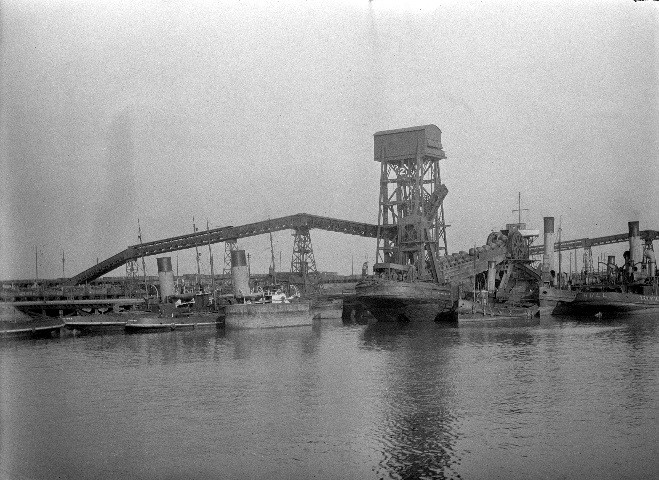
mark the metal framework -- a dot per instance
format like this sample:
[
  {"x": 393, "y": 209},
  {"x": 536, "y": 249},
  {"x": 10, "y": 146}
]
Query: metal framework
[
  {"x": 229, "y": 245},
  {"x": 588, "y": 260},
  {"x": 411, "y": 198},
  {"x": 303, "y": 262},
  {"x": 647, "y": 235},
  {"x": 225, "y": 234}
]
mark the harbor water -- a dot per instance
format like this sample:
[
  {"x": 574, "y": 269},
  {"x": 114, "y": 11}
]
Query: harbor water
[{"x": 518, "y": 398}]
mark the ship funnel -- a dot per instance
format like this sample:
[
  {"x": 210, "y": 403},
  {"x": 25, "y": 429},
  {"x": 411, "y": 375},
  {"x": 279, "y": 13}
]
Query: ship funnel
[
  {"x": 635, "y": 245},
  {"x": 652, "y": 261},
  {"x": 548, "y": 254},
  {"x": 239, "y": 273},
  {"x": 166, "y": 277}
]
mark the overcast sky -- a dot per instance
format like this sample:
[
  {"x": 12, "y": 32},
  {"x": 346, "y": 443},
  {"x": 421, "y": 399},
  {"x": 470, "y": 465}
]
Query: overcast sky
[{"x": 234, "y": 112}]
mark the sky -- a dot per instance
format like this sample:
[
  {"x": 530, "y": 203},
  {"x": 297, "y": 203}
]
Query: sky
[{"x": 233, "y": 112}]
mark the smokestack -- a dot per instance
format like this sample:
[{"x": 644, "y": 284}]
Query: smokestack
[
  {"x": 166, "y": 277},
  {"x": 239, "y": 273},
  {"x": 548, "y": 255},
  {"x": 635, "y": 245}
]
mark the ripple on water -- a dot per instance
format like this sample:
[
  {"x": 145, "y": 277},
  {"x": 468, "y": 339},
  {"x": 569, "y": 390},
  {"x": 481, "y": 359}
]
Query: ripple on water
[{"x": 522, "y": 400}]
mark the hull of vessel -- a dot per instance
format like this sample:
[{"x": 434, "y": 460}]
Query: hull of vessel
[
  {"x": 478, "y": 311},
  {"x": 33, "y": 328},
  {"x": 550, "y": 296},
  {"x": 607, "y": 304},
  {"x": 156, "y": 323},
  {"x": 390, "y": 300},
  {"x": 268, "y": 315},
  {"x": 326, "y": 309}
]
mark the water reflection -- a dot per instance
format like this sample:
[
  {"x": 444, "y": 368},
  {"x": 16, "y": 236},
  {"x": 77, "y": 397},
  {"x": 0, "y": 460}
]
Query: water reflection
[
  {"x": 419, "y": 428},
  {"x": 522, "y": 399}
]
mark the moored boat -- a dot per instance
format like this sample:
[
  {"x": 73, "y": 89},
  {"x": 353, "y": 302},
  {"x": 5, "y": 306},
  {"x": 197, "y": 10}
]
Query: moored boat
[
  {"x": 625, "y": 290},
  {"x": 44, "y": 327},
  {"x": 178, "y": 316},
  {"x": 398, "y": 300},
  {"x": 268, "y": 315},
  {"x": 469, "y": 310},
  {"x": 608, "y": 301}
]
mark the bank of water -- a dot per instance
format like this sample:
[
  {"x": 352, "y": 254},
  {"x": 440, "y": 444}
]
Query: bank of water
[{"x": 517, "y": 398}]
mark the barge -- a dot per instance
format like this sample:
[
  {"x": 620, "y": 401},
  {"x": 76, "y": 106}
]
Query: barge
[{"x": 393, "y": 300}]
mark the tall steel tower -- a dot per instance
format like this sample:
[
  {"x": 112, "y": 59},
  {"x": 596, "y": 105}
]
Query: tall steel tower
[
  {"x": 411, "y": 198},
  {"x": 303, "y": 262}
]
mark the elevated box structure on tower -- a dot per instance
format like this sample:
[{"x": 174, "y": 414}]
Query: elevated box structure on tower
[
  {"x": 405, "y": 143},
  {"x": 411, "y": 198}
]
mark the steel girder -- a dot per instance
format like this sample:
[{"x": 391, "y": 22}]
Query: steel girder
[{"x": 223, "y": 234}]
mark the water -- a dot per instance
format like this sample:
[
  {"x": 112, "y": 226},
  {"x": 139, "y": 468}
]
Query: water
[{"x": 545, "y": 398}]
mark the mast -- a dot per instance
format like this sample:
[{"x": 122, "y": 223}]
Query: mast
[
  {"x": 139, "y": 235},
  {"x": 519, "y": 209},
  {"x": 210, "y": 254},
  {"x": 473, "y": 305},
  {"x": 560, "y": 230},
  {"x": 272, "y": 261},
  {"x": 194, "y": 229}
]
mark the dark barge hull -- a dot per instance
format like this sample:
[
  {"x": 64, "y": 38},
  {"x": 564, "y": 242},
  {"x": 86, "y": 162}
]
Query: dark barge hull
[
  {"x": 31, "y": 329},
  {"x": 95, "y": 327},
  {"x": 154, "y": 325},
  {"x": 390, "y": 300},
  {"x": 607, "y": 304},
  {"x": 551, "y": 296}
]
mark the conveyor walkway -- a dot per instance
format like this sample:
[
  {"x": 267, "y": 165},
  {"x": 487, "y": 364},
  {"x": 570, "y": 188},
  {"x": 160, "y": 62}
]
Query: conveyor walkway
[
  {"x": 224, "y": 234},
  {"x": 646, "y": 235}
]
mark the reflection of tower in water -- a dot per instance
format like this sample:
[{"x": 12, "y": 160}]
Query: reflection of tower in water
[{"x": 419, "y": 430}]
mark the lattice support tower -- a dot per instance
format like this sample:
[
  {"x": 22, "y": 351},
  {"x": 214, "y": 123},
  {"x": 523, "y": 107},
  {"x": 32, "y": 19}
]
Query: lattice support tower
[
  {"x": 588, "y": 261},
  {"x": 411, "y": 197},
  {"x": 229, "y": 246},
  {"x": 303, "y": 262}
]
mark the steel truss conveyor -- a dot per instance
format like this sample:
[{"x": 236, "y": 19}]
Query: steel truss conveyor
[
  {"x": 585, "y": 243},
  {"x": 223, "y": 234}
]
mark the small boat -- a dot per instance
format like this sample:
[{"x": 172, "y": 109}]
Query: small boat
[
  {"x": 178, "y": 315},
  {"x": 606, "y": 300}
]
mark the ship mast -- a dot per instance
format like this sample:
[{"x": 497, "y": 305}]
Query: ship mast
[
  {"x": 560, "y": 257},
  {"x": 519, "y": 209},
  {"x": 210, "y": 254},
  {"x": 139, "y": 236},
  {"x": 272, "y": 261},
  {"x": 194, "y": 229}
]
